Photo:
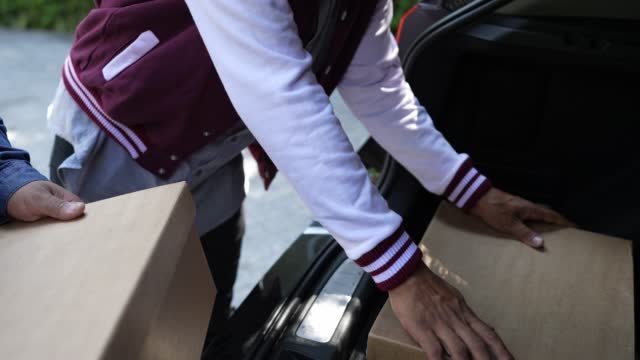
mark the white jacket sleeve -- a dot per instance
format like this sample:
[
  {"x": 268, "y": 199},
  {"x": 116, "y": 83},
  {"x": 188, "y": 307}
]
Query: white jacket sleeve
[
  {"x": 266, "y": 72},
  {"x": 375, "y": 90}
]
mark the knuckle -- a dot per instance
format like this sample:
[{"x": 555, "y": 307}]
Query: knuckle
[
  {"x": 441, "y": 324},
  {"x": 459, "y": 349},
  {"x": 439, "y": 298},
  {"x": 480, "y": 353},
  {"x": 475, "y": 342},
  {"x": 516, "y": 204},
  {"x": 55, "y": 203},
  {"x": 423, "y": 325},
  {"x": 58, "y": 204},
  {"x": 451, "y": 301},
  {"x": 427, "y": 321},
  {"x": 504, "y": 355},
  {"x": 434, "y": 353},
  {"x": 493, "y": 336},
  {"x": 513, "y": 221},
  {"x": 521, "y": 212},
  {"x": 494, "y": 340},
  {"x": 488, "y": 332}
]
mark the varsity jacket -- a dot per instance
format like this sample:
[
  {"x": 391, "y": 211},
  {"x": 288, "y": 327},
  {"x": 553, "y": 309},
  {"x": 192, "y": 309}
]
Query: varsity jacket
[{"x": 165, "y": 77}]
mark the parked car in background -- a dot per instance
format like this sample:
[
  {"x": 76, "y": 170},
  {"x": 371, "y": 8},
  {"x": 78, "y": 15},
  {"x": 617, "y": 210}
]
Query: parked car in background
[{"x": 549, "y": 89}]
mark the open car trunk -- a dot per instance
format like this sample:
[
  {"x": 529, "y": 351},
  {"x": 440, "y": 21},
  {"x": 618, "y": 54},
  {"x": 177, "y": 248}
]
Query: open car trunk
[{"x": 547, "y": 108}]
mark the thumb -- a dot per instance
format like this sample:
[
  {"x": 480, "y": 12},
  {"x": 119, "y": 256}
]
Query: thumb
[
  {"x": 61, "y": 209},
  {"x": 523, "y": 233}
]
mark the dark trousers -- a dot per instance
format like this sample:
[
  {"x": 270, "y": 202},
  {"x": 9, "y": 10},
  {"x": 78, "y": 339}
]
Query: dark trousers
[{"x": 221, "y": 247}]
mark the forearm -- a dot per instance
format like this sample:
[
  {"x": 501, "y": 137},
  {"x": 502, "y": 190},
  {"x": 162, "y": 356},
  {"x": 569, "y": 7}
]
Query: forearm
[
  {"x": 267, "y": 75},
  {"x": 376, "y": 91}
]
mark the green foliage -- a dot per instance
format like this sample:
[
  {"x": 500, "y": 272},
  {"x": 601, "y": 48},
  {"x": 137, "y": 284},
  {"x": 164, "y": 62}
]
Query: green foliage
[
  {"x": 401, "y": 6},
  {"x": 64, "y": 15},
  {"x": 60, "y": 15}
]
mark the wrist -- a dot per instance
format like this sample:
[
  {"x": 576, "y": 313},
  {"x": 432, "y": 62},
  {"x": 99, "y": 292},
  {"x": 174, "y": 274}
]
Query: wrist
[
  {"x": 416, "y": 277},
  {"x": 14, "y": 176},
  {"x": 483, "y": 201}
]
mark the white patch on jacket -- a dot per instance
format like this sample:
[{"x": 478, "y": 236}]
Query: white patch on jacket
[{"x": 132, "y": 53}]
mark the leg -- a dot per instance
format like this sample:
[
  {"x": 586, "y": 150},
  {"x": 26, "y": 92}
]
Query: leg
[
  {"x": 61, "y": 150},
  {"x": 222, "y": 250}
]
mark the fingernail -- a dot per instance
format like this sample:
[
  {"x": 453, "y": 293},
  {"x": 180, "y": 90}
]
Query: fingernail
[
  {"x": 72, "y": 207},
  {"x": 536, "y": 241}
]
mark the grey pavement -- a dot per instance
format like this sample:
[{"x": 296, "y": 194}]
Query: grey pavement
[{"x": 30, "y": 65}]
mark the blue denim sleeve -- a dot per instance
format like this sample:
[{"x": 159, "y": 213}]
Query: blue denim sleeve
[{"x": 15, "y": 171}]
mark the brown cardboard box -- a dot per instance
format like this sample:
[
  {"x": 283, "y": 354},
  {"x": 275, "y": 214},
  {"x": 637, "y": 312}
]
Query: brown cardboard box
[
  {"x": 573, "y": 301},
  {"x": 127, "y": 281}
]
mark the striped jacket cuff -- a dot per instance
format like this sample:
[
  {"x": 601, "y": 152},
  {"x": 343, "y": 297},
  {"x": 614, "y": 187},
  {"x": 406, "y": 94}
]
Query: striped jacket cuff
[
  {"x": 392, "y": 261},
  {"x": 467, "y": 187}
]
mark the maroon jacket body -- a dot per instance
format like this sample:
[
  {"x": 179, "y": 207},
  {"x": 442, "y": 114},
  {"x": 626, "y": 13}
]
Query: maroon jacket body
[{"x": 170, "y": 102}]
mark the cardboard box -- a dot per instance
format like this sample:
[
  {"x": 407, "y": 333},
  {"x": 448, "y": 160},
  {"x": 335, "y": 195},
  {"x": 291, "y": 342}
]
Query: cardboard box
[
  {"x": 573, "y": 301},
  {"x": 129, "y": 280}
]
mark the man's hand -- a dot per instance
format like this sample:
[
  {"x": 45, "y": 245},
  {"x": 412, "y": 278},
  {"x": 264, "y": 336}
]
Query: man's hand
[
  {"x": 435, "y": 314},
  {"x": 44, "y": 199},
  {"x": 507, "y": 213}
]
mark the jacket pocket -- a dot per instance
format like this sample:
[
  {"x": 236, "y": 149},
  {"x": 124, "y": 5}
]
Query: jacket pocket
[{"x": 132, "y": 53}]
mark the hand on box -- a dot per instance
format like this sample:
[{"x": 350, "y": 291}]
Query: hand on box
[
  {"x": 507, "y": 213},
  {"x": 436, "y": 315},
  {"x": 41, "y": 199}
]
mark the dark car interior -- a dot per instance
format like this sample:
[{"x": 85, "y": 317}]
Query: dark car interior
[{"x": 548, "y": 106}]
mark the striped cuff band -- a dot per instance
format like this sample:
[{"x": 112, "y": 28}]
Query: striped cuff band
[
  {"x": 392, "y": 261},
  {"x": 467, "y": 187}
]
